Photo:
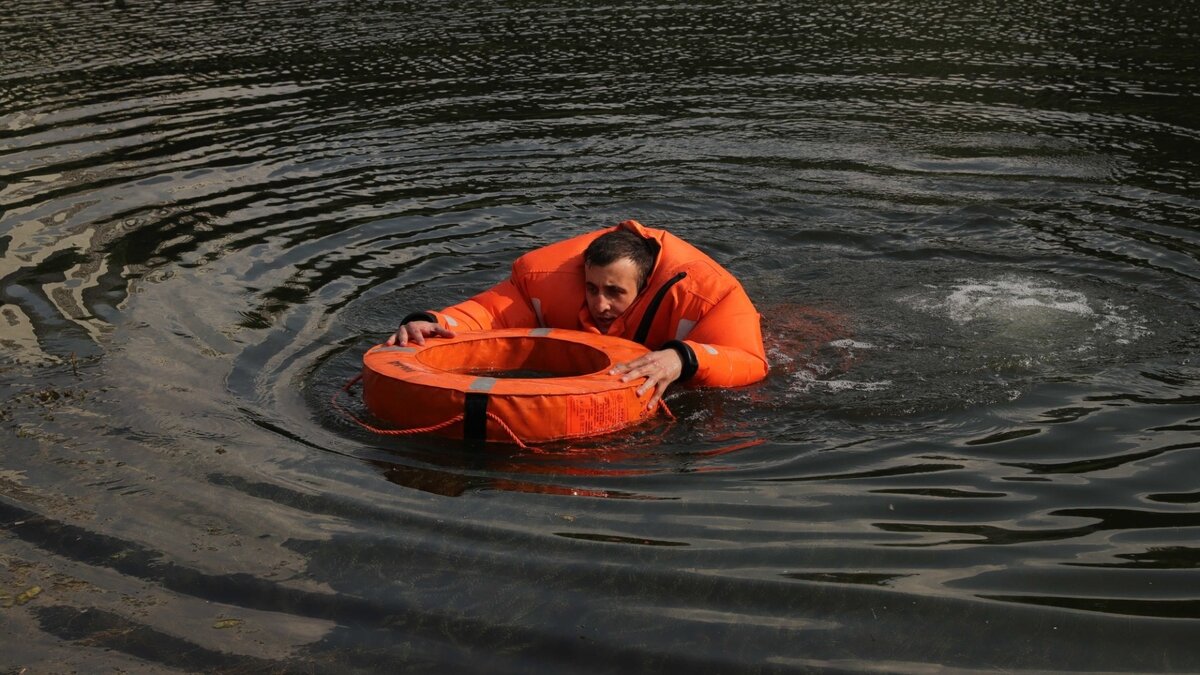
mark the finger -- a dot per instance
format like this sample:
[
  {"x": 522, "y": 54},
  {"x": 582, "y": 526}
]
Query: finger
[
  {"x": 622, "y": 367},
  {"x": 659, "y": 392},
  {"x": 635, "y": 374},
  {"x": 656, "y": 388},
  {"x": 651, "y": 369},
  {"x": 650, "y": 383},
  {"x": 659, "y": 386}
]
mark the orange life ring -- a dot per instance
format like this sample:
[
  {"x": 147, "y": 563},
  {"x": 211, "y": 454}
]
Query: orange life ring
[{"x": 458, "y": 387}]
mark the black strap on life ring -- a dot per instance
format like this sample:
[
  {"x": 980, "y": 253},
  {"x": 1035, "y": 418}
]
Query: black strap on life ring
[{"x": 475, "y": 417}]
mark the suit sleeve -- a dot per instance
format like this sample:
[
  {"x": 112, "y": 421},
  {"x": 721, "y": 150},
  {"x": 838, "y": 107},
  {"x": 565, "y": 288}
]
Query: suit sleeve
[
  {"x": 501, "y": 306},
  {"x": 726, "y": 344}
]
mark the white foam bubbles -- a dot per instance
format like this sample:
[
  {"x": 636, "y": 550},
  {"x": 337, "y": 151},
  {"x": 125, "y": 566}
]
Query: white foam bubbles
[
  {"x": 850, "y": 344},
  {"x": 808, "y": 380},
  {"x": 972, "y": 300},
  {"x": 1032, "y": 310}
]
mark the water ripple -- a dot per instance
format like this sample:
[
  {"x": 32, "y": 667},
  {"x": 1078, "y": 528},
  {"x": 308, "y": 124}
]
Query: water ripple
[{"x": 970, "y": 230}]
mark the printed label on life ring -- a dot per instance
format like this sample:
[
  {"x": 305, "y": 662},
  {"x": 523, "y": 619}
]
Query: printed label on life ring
[{"x": 587, "y": 416}]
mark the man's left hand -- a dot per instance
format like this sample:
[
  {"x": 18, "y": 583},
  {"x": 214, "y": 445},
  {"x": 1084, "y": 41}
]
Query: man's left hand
[{"x": 660, "y": 369}]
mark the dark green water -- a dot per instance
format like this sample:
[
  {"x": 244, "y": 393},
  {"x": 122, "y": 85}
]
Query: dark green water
[{"x": 972, "y": 230}]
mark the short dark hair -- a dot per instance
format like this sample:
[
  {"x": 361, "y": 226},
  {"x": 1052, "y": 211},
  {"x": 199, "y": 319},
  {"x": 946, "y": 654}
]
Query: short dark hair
[{"x": 620, "y": 244}]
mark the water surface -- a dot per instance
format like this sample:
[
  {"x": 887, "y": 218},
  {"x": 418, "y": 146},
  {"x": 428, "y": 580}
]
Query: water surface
[{"x": 971, "y": 229}]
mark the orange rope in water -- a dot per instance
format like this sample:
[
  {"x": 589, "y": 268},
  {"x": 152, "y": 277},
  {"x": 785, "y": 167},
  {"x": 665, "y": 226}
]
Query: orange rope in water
[
  {"x": 511, "y": 434},
  {"x": 419, "y": 430}
]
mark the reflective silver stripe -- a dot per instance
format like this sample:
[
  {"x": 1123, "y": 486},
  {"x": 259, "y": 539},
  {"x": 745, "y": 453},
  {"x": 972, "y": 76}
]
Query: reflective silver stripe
[
  {"x": 537, "y": 309},
  {"x": 540, "y": 332},
  {"x": 397, "y": 349},
  {"x": 684, "y": 328},
  {"x": 482, "y": 384}
]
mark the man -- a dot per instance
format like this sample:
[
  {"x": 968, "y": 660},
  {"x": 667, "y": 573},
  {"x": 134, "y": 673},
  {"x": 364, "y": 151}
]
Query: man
[{"x": 631, "y": 281}]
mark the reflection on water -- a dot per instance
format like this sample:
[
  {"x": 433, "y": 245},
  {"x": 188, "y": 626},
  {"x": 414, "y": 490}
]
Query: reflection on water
[{"x": 970, "y": 229}]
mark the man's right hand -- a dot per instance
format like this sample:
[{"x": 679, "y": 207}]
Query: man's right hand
[{"x": 417, "y": 331}]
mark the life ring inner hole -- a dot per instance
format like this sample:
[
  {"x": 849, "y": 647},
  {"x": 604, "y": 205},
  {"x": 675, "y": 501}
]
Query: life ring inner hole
[{"x": 516, "y": 357}]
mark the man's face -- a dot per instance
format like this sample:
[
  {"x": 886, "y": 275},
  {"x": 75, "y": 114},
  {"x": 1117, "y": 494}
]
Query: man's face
[{"x": 610, "y": 289}]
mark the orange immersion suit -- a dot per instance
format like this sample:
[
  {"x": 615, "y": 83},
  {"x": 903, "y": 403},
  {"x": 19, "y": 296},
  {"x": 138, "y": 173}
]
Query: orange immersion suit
[{"x": 690, "y": 304}]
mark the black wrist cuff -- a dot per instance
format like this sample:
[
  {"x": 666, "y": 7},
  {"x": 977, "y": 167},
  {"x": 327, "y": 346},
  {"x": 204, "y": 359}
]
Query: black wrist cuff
[
  {"x": 419, "y": 316},
  {"x": 687, "y": 356}
]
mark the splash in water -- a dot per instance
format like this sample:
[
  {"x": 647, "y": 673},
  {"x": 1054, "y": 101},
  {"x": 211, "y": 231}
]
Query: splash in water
[{"x": 1022, "y": 313}]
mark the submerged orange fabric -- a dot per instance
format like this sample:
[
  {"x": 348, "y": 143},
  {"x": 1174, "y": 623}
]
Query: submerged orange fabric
[{"x": 707, "y": 309}]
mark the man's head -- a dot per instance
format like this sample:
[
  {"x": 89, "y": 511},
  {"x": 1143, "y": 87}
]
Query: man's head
[{"x": 616, "y": 267}]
